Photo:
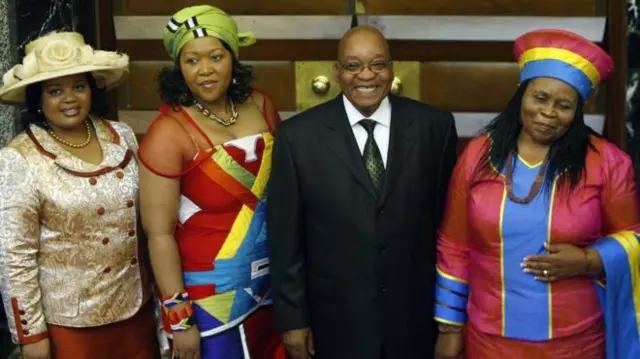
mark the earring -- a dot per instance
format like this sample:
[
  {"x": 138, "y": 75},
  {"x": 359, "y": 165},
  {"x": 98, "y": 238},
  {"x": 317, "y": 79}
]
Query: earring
[
  {"x": 39, "y": 111},
  {"x": 233, "y": 81}
]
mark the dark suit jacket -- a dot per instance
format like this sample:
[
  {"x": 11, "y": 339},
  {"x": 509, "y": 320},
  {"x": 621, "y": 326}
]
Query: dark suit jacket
[{"x": 356, "y": 267}]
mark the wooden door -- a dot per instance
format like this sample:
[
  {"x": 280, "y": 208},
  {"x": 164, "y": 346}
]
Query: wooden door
[{"x": 453, "y": 54}]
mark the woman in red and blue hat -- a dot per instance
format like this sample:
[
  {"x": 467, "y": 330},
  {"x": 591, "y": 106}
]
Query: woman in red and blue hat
[{"x": 538, "y": 255}]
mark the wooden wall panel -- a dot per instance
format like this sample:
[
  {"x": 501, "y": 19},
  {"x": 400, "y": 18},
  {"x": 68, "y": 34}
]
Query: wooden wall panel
[
  {"x": 268, "y": 50},
  {"x": 413, "y": 50},
  {"x": 482, "y": 7},
  {"x": 463, "y": 76},
  {"x": 278, "y": 80},
  {"x": 238, "y": 7},
  {"x": 275, "y": 78},
  {"x": 327, "y": 50},
  {"x": 473, "y": 86},
  {"x": 141, "y": 88}
]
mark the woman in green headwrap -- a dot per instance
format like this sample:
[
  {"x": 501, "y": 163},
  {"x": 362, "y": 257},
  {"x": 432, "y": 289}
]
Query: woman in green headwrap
[{"x": 207, "y": 159}]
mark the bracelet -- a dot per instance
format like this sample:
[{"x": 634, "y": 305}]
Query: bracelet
[
  {"x": 182, "y": 319},
  {"x": 182, "y": 325},
  {"x": 176, "y": 298},
  {"x": 445, "y": 328}
]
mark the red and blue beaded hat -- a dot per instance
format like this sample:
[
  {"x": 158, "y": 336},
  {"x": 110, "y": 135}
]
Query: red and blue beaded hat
[{"x": 565, "y": 56}]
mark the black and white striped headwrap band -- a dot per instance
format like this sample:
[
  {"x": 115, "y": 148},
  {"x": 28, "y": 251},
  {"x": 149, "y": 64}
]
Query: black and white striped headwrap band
[
  {"x": 173, "y": 25},
  {"x": 192, "y": 22},
  {"x": 200, "y": 33}
]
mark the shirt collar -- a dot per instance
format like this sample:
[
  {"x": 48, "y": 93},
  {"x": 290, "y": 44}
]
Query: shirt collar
[{"x": 381, "y": 116}]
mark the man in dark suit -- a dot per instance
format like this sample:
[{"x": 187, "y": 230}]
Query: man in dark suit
[{"x": 356, "y": 195}]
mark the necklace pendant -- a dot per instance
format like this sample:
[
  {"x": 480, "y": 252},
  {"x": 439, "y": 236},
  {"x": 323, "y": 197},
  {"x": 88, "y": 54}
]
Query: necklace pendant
[{"x": 224, "y": 122}]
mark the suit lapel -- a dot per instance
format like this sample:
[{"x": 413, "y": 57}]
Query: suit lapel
[
  {"x": 339, "y": 137},
  {"x": 401, "y": 140}
]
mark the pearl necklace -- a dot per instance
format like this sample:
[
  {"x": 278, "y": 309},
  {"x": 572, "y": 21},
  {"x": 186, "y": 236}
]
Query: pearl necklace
[
  {"x": 218, "y": 119},
  {"x": 69, "y": 144}
]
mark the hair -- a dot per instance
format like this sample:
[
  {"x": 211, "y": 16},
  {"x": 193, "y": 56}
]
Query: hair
[
  {"x": 567, "y": 154},
  {"x": 32, "y": 114},
  {"x": 174, "y": 90}
]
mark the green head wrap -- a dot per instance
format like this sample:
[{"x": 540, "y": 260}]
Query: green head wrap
[{"x": 203, "y": 20}]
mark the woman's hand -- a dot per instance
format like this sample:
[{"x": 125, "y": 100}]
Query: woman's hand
[
  {"x": 38, "y": 350},
  {"x": 561, "y": 262},
  {"x": 450, "y": 346},
  {"x": 186, "y": 344}
]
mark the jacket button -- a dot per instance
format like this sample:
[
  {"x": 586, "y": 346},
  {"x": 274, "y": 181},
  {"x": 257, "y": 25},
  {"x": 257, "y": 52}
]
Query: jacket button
[
  {"x": 132, "y": 233},
  {"x": 134, "y": 261},
  {"x": 105, "y": 240},
  {"x": 107, "y": 270},
  {"x": 25, "y": 332},
  {"x": 93, "y": 181},
  {"x": 100, "y": 211},
  {"x": 120, "y": 175},
  {"x": 21, "y": 312},
  {"x": 130, "y": 203},
  {"x": 24, "y": 322}
]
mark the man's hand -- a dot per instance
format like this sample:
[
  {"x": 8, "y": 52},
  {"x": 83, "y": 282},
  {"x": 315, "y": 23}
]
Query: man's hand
[
  {"x": 38, "y": 350},
  {"x": 299, "y": 343}
]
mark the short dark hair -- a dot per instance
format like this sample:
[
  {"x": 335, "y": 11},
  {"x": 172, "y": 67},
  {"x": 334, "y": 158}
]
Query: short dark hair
[
  {"x": 174, "y": 90},
  {"x": 33, "y": 103}
]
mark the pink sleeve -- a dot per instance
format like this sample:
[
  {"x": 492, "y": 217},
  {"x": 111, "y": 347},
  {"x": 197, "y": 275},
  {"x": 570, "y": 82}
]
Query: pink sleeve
[{"x": 452, "y": 289}]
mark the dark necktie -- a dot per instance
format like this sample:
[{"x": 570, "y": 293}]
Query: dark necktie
[{"x": 371, "y": 155}]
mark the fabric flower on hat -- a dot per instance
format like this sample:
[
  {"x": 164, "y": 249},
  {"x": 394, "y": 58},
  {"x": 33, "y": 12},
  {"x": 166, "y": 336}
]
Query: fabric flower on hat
[
  {"x": 28, "y": 68},
  {"x": 9, "y": 79},
  {"x": 58, "y": 54},
  {"x": 108, "y": 58},
  {"x": 86, "y": 55}
]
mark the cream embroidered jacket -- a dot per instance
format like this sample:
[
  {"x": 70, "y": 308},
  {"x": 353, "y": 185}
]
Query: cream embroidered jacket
[{"x": 69, "y": 249}]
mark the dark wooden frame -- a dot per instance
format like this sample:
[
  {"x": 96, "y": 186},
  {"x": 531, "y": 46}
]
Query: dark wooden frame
[
  {"x": 97, "y": 27},
  {"x": 616, "y": 44}
]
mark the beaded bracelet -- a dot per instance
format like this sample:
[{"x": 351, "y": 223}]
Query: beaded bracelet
[
  {"x": 182, "y": 325},
  {"x": 176, "y": 298},
  {"x": 182, "y": 319}
]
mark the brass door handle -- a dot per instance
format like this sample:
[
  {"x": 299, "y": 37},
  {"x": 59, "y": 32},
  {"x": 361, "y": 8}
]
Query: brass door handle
[
  {"x": 320, "y": 85},
  {"x": 396, "y": 86}
]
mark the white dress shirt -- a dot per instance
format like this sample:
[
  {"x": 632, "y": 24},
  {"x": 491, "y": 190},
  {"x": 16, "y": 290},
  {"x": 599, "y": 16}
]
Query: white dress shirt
[{"x": 380, "y": 133}]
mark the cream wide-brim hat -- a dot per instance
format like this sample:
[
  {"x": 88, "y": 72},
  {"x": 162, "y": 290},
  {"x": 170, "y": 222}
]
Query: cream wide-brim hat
[{"x": 60, "y": 54}]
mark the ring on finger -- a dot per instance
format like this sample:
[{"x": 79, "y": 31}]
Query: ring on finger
[{"x": 545, "y": 273}]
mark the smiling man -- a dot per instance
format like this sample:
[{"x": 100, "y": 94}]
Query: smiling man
[{"x": 355, "y": 199}]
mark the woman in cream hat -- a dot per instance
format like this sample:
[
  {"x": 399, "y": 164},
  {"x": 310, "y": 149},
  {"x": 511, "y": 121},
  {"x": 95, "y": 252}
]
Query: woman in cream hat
[
  {"x": 72, "y": 268},
  {"x": 538, "y": 255},
  {"x": 207, "y": 159}
]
